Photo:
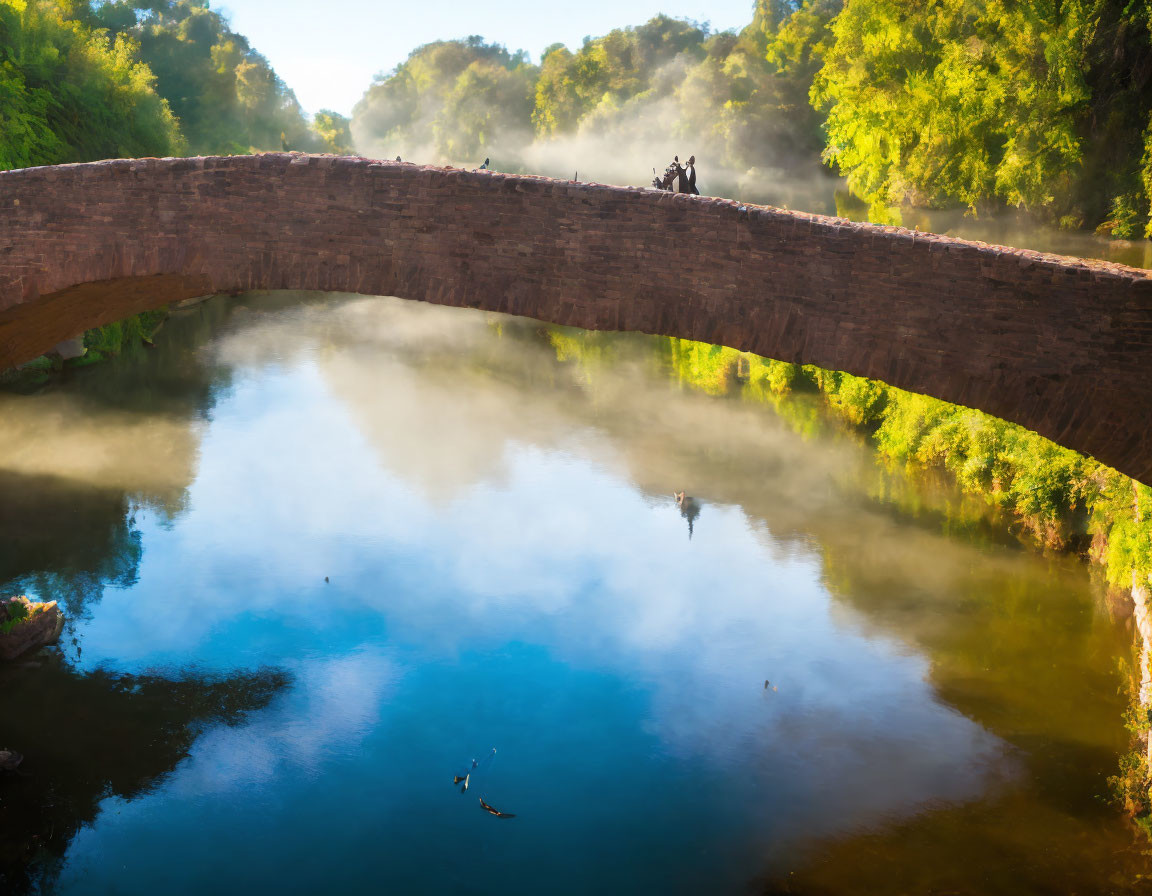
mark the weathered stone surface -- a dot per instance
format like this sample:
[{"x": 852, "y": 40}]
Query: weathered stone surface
[
  {"x": 40, "y": 625},
  {"x": 1062, "y": 346}
]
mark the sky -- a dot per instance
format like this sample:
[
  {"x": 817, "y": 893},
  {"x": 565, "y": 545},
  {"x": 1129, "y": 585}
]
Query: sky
[{"x": 329, "y": 59}]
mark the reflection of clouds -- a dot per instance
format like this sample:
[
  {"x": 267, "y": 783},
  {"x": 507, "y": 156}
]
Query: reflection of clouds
[
  {"x": 65, "y": 436},
  {"x": 333, "y": 706},
  {"x": 462, "y": 510},
  {"x": 602, "y": 577}
]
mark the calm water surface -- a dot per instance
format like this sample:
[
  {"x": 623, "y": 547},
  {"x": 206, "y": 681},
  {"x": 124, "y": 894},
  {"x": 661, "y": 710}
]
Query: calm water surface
[{"x": 509, "y": 579}]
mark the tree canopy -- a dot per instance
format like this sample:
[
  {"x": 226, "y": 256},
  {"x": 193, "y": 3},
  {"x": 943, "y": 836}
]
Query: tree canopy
[
  {"x": 1040, "y": 105},
  {"x": 454, "y": 99},
  {"x": 70, "y": 93},
  {"x": 80, "y": 81}
]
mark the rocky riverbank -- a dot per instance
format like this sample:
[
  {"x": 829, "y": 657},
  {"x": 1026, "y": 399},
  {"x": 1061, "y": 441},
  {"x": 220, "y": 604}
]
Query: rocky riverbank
[{"x": 26, "y": 626}]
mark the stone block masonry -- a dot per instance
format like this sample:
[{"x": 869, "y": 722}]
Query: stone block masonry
[{"x": 1062, "y": 346}]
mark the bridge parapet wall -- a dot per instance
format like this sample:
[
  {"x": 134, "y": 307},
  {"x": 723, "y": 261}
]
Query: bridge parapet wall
[{"x": 1062, "y": 346}]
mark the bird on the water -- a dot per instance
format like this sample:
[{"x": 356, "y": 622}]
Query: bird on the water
[
  {"x": 465, "y": 778},
  {"x": 495, "y": 812}
]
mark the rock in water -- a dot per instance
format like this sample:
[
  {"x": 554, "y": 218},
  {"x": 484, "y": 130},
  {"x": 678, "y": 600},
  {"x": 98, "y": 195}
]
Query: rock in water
[
  {"x": 10, "y": 760},
  {"x": 26, "y": 626},
  {"x": 71, "y": 348}
]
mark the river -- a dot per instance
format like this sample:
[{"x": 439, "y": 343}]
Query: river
[{"x": 319, "y": 553}]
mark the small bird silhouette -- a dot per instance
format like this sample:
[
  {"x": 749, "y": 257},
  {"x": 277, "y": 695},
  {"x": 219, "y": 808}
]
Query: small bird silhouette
[
  {"x": 397, "y": 158},
  {"x": 483, "y": 167},
  {"x": 495, "y": 812},
  {"x": 767, "y": 685},
  {"x": 326, "y": 580}
]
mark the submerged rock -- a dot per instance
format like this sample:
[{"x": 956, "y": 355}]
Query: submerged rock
[
  {"x": 10, "y": 760},
  {"x": 70, "y": 348},
  {"x": 26, "y": 626}
]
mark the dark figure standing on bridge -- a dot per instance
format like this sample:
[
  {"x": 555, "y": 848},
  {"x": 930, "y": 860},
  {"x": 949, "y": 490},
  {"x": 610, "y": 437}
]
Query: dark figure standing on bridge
[
  {"x": 688, "y": 178},
  {"x": 684, "y": 179}
]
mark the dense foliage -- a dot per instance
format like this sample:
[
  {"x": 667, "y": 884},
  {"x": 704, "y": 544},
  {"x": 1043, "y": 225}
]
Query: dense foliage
[
  {"x": 225, "y": 95},
  {"x": 741, "y": 99},
  {"x": 453, "y": 99},
  {"x": 1039, "y": 105},
  {"x": 80, "y": 81},
  {"x": 70, "y": 93}
]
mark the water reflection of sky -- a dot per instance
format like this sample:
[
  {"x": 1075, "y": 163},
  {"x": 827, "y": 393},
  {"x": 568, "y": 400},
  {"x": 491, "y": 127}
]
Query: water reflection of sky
[{"x": 497, "y": 579}]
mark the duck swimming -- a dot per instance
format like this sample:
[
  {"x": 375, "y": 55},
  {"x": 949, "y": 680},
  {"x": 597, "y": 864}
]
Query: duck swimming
[{"x": 495, "y": 812}]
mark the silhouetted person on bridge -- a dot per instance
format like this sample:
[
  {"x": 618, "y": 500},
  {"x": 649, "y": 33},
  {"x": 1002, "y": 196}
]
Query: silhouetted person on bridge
[
  {"x": 683, "y": 179},
  {"x": 689, "y": 177}
]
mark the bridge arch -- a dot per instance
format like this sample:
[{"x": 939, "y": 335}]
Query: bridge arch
[{"x": 1062, "y": 346}]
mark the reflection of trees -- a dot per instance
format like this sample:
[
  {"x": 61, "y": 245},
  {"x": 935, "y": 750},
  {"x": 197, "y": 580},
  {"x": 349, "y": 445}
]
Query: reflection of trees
[
  {"x": 1012, "y": 645},
  {"x": 79, "y": 455},
  {"x": 1010, "y": 846},
  {"x": 63, "y": 540},
  {"x": 1008, "y": 642},
  {"x": 86, "y": 737},
  {"x": 118, "y": 436}
]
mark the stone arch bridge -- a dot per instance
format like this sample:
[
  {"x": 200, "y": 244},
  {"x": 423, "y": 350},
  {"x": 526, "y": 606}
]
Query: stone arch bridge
[{"x": 1060, "y": 345}]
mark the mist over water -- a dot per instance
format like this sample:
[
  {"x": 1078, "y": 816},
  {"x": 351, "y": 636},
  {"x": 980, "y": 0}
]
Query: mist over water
[
  {"x": 629, "y": 149},
  {"x": 508, "y": 568},
  {"x": 752, "y": 133}
]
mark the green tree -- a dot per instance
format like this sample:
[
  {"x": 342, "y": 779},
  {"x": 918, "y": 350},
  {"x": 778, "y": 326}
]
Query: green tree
[
  {"x": 227, "y": 97},
  {"x": 334, "y": 132},
  {"x": 455, "y": 100},
  {"x": 978, "y": 103},
  {"x": 609, "y": 71},
  {"x": 69, "y": 93}
]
